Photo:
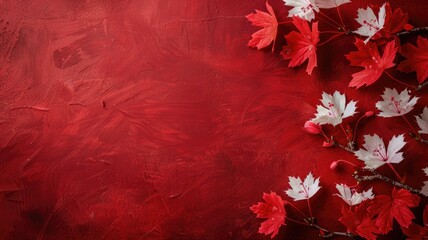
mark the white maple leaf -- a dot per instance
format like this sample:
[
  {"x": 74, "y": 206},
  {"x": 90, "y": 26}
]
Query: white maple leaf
[
  {"x": 370, "y": 24},
  {"x": 305, "y": 9},
  {"x": 424, "y": 189},
  {"x": 422, "y": 121},
  {"x": 375, "y": 154},
  {"x": 334, "y": 109},
  {"x": 303, "y": 190},
  {"x": 425, "y": 171},
  {"x": 395, "y": 104},
  {"x": 352, "y": 197},
  {"x": 330, "y": 3}
]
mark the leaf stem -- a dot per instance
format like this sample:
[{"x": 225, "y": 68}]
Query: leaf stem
[
  {"x": 401, "y": 82},
  {"x": 348, "y": 162},
  {"x": 297, "y": 221},
  {"x": 325, "y": 136},
  {"x": 350, "y": 143},
  {"x": 340, "y": 17},
  {"x": 356, "y": 126},
  {"x": 309, "y": 206},
  {"x": 329, "y": 23},
  {"x": 298, "y": 210},
  {"x": 331, "y": 38},
  {"x": 395, "y": 172},
  {"x": 329, "y": 18},
  {"x": 418, "y": 137}
]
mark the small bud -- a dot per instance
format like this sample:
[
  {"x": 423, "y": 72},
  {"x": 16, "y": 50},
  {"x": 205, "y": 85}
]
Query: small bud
[
  {"x": 369, "y": 113},
  {"x": 334, "y": 165},
  {"x": 327, "y": 144},
  {"x": 312, "y": 128}
]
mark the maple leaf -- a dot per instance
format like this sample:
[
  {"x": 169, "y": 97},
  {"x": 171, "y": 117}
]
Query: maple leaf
[
  {"x": 422, "y": 121},
  {"x": 334, "y": 109},
  {"x": 303, "y": 190},
  {"x": 424, "y": 189},
  {"x": 352, "y": 197},
  {"x": 370, "y": 24},
  {"x": 376, "y": 154},
  {"x": 330, "y": 3},
  {"x": 395, "y": 207},
  {"x": 417, "y": 59},
  {"x": 395, "y": 104},
  {"x": 394, "y": 22},
  {"x": 415, "y": 231},
  {"x": 359, "y": 221},
  {"x": 273, "y": 210},
  {"x": 302, "y": 45},
  {"x": 368, "y": 57},
  {"x": 304, "y": 9},
  {"x": 265, "y": 36}
]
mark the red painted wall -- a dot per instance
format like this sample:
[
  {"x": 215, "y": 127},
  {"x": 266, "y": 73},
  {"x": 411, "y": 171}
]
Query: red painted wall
[{"x": 152, "y": 119}]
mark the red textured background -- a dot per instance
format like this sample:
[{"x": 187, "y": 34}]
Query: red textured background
[{"x": 152, "y": 119}]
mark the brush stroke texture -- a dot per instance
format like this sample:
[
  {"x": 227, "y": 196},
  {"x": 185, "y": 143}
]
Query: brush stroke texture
[{"x": 154, "y": 120}]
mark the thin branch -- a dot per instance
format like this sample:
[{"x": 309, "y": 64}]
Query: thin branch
[
  {"x": 414, "y": 30},
  {"x": 376, "y": 175},
  {"x": 420, "y": 86},
  {"x": 418, "y": 138},
  {"x": 343, "y": 147},
  {"x": 327, "y": 233}
]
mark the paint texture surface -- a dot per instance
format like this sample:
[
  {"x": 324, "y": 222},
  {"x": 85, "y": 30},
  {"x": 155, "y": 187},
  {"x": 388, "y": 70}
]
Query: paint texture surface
[{"x": 152, "y": 119}]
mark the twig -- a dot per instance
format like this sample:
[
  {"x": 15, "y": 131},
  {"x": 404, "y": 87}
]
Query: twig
[
  {"x": 327, "y": 233},
  {"x": 418, "y": 138},
  {"x": 420, "y": 86},
  {"x": 414, "y": 30},
  {"x": 376, "y": 175},
  {"x": 343, "y": 147}
]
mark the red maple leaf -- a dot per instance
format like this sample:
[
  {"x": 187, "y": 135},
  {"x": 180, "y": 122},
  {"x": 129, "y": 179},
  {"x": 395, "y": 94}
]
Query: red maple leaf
[
  {"x": 359, "y": 222},
  {"x": 395, "y": 21},
  {"x": 273, "y": 210},
  {"x": 387, "y": 208},
  {"x": 417, "y": 59},
  {"x": 269, "y": 24},
  {"x": 415, "y": 231},
  {"x": 302, "y": 45},
  {"x": 368, "y": 56}
]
